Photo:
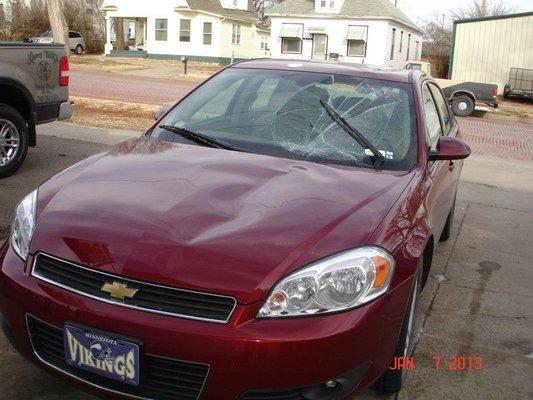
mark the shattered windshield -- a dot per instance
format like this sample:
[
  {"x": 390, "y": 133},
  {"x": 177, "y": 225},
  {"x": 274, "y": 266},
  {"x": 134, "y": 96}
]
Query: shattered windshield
[{"x": 282, "y": 113}]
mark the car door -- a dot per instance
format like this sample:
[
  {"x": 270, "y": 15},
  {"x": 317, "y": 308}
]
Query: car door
[{"x": 441, "y": 176}]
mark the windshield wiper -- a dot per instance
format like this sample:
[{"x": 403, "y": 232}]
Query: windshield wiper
[
  {"x": 354, "y": 133},
  {"x": 200, "y": 138}
]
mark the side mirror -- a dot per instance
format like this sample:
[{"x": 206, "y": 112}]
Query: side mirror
[
  {"x": 449, "y": 148},
  {"x": 162, "y": 111}
]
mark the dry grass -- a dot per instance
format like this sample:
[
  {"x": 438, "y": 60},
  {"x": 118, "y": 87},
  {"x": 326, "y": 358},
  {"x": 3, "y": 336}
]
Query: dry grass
[
  {"x": 520, "y": 110},
  {"x": 160, "y": 68},
  {"x": 113, "y": 114}
]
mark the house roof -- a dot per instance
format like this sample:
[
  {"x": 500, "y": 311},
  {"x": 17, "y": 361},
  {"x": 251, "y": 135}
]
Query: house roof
[
  {"x": 214, "y": 6},
  {"x": 351, "y": 9}
]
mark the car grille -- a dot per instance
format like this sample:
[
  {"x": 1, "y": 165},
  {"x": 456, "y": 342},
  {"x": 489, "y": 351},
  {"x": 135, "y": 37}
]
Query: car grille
[
  {"x": 162, "y": 378},
  {"x": 282, "y": 394},
  {"x": 149, "y": 297}
]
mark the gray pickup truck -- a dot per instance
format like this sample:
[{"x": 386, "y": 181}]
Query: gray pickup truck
[{"x": 34, "y": 81}]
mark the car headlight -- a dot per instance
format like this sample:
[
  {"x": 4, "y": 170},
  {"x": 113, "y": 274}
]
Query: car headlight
[
  {"x": 340, "y": 282},
  {"x": 24, "y": 225}
]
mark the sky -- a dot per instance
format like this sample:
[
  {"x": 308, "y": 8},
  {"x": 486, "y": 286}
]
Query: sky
[{"x": 418, "y": 10}]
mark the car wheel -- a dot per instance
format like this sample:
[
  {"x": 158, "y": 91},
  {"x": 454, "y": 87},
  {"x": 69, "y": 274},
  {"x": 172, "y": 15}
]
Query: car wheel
[
  {"x": 462, "y": 106},
  {"x": 13, "y": 140},
  {"x": 79, "y": 49},
  {"x": 393, "y": 380},
  {"x": 447, "y": 231}
]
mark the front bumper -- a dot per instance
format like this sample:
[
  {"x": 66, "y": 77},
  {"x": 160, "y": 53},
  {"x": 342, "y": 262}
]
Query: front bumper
[{"x": 245, "y": 354}]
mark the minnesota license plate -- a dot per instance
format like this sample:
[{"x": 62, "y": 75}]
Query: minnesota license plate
[{"x": 100, "y": 354}]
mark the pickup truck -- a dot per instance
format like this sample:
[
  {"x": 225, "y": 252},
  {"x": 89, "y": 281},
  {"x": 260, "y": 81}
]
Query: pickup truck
[
  {"x": 34, "y": 81},
  {"x": 464, "y": 97}
]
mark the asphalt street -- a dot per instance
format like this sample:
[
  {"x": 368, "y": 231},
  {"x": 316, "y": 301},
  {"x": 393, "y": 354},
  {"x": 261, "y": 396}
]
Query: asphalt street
[{"x": 478, "y": 302}]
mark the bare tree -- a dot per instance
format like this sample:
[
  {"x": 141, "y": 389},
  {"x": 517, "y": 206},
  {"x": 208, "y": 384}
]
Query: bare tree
[
  {"x": 261, "y": 6},
  {"x": 58, "y": 23},
  {"x": 438, "y": 35},
  {"x": 483, "y": 8},
  {"x": 119, "y": 30}
]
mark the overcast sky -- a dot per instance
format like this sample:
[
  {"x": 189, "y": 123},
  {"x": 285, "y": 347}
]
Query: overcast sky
[{"x": 418, "y": 10}]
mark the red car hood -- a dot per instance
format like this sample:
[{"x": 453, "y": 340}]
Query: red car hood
[{"x": 207, "y": 219}]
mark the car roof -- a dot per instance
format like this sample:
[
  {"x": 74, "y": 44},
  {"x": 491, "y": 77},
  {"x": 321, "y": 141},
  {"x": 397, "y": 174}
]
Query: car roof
[{"x": 340, "y": 68}]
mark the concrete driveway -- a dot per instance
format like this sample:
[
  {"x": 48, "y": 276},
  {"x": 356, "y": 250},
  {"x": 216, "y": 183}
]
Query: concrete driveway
[{"x": 478, "y": 302}]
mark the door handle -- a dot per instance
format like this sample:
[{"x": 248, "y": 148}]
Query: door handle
[{"x": 451, "y": 166}]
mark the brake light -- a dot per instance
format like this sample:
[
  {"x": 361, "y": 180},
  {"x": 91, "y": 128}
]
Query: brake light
[
  {"x": 495, "y": 91},
  {"x": 64, "y": 71}
]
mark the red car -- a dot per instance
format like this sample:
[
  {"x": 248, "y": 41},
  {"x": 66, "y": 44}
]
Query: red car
[{"x": 267, "y": 238}]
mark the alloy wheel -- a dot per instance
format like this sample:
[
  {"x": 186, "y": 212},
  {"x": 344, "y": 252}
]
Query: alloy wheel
[{"x": 9, "y": 141}]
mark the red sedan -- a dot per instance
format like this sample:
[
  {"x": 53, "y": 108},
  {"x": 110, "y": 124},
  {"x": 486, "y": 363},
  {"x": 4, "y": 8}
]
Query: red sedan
[{"x": 267, "y": 238}]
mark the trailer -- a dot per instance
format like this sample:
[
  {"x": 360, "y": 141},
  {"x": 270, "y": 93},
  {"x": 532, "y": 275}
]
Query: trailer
[{"x": 520, "y": 83}]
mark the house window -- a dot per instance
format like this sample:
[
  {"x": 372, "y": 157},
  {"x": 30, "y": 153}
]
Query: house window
[
  {"x": 236, "y": 34},
  {"x": 393, "y": 43},
  {"x": 208, "y": 32},
  {"x": 291, "y": 45},
  {"x": 291, "y": 38},
  {"x": 408, "y": 47},
  {"x": 185, "y": 30},
  {"x": 264, "y": 43},
  {"x": 356, "y": 48},
  {"x": 161, "y": 29},
  {"x": 417, "y": 50},
  {"x": 357, "y": 38},
  {"x": 326, "y": 3},
  {"x": 401, "y": 41}
]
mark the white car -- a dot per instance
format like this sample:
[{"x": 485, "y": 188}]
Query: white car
[{"x": 75, "y": 41}]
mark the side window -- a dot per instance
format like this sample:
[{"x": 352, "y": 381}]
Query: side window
[
  {"x": 442, "y": 105},
  {"x": 71, "y": 35},
  {"x": 433, "y": 127}
]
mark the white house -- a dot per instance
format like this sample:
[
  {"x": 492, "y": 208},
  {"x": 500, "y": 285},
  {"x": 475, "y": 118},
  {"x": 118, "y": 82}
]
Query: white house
[
  {"x": 203, "y": 30},
  {"x": 359, "y": 31}
]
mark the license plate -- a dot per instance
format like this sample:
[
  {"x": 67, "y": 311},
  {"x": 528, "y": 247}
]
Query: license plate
[{"x": 103, "y": 355}]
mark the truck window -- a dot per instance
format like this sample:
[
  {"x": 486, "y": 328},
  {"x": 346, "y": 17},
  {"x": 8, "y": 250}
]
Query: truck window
[{"x": 418, "y": 67}]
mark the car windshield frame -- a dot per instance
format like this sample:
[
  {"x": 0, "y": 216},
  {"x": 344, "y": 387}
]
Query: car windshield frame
[{"x": 332, "y": 145}]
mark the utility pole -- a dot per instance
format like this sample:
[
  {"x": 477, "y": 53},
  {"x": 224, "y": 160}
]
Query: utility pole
[{"x": 58, "y": 23}]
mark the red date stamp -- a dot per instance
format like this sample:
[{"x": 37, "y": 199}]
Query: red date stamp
[{"x": 455, "y": 363}]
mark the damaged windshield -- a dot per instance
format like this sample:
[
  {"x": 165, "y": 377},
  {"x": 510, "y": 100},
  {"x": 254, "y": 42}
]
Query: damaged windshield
[{"x": 289, "y": 114}]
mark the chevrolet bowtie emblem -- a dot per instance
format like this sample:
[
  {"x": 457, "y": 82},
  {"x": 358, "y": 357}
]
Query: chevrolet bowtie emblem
[{"x": 119, "y": 290}]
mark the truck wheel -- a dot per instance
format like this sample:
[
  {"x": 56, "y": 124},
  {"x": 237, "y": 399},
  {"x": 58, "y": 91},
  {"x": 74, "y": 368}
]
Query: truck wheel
[
  {"x": 506, "y": 91},
  {"x": 393, "y": 380},
  {"x": 462, "y": 106},
  {"x": 79, "y": 49},
  {"x": 13, "y": 140}
]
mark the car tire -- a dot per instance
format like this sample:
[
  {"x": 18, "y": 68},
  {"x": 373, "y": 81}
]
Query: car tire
[
  {"x": 79, "y": 49},
  {"x": 393, "y": 380},
  {"x": 447, "y": 231},
  {"x": 462, "y": 106},
  {"x": 13, "y": 131}
]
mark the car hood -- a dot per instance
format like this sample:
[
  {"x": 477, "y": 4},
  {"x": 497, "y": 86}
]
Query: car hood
[{"x": 207, "y": 219}]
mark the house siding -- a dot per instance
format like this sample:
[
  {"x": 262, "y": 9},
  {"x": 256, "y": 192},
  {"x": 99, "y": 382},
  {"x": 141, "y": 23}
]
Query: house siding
[
  {"x": 399, "y": 58},
  {"x": 220, "y": 50},
  {"x": 485, "y": 50},
  {"x": 378, "y": 39}
]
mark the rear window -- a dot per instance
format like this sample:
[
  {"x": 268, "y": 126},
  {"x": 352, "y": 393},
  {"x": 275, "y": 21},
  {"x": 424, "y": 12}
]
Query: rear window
[{"x": 281, "y": 113}]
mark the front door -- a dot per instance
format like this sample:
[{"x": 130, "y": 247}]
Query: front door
[{"x": 320, "y": 46}]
